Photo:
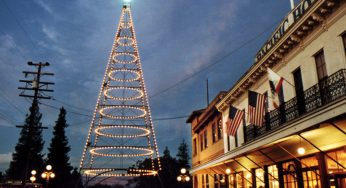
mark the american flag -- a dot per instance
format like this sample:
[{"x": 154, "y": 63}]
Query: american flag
[
  {"x": 234, "y": 119},
  {"x": 256, "y": 108}
]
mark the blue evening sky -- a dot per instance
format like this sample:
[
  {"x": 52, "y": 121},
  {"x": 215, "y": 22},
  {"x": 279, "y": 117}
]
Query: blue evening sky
[{"x": 176, "y": 40}]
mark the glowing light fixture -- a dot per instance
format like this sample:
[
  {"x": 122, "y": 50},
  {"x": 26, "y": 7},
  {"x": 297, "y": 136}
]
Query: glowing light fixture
[
  {"x": 301, "y": 151},
  {"x": 183, "y": 170},
  {"x": 228, "y": 171}
]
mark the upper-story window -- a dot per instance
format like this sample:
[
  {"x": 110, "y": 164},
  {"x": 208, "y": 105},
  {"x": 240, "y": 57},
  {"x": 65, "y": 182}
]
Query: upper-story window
[
  {"x": 219, "y": 129},
  {"x": 343, "y": 36},
  {"x": 321, "y": 65},
  {"x": 194, "y": 151},
  {"x": 213, "y": 132},
  {"x": 203, "y": 140}
]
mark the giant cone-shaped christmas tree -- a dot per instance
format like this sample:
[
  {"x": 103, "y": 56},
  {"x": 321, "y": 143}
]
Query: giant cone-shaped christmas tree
[{"x": 121, "y": 132}]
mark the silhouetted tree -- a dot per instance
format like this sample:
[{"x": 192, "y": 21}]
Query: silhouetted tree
[
  {"x": 183, "y": 155},
  {"x": 167, "y": 177},
  {"x": 27, "y": 154},
  {"x": 58, "y": 153},
  {"x": 76, "y": 181},
  {"x": 1, "y": 177}
]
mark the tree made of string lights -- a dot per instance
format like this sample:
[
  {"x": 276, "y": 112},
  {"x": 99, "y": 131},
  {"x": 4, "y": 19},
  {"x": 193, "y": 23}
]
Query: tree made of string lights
[{"x": 121, "y": 131}]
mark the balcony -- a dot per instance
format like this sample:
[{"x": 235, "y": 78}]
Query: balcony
[{"x": 325, "y": 92}]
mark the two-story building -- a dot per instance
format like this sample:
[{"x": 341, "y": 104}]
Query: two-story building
[{"x": 302, "y": 141}]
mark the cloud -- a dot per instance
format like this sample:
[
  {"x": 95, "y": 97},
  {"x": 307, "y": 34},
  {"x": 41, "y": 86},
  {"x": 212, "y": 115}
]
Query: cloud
[
  {"x": 50, "y": 32},
  {"x": 5, "y": 158},
  {"x": 46, "y": 7}
]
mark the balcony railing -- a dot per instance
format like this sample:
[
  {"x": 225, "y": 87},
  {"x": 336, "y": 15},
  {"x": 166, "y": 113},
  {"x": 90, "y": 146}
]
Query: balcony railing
[{"x": 325, "y": 92}]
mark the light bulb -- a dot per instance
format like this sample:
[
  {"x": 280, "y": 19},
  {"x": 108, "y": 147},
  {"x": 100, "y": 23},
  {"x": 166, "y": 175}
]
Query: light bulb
[
  {"x": 32, "y": 178},
  {"x": 228, "y": 171},
  {"x": 33, "y": 172},
  {"x": 301, "y": 151},
  {"x": 183, "y": 170},
  {"x": 49, "y": 167}
]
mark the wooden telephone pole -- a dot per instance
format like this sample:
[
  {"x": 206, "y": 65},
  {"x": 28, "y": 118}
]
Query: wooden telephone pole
[{"x": 34, "y": 88}]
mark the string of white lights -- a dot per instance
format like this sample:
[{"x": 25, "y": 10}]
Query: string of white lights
[{"x": 122, "y": 99}]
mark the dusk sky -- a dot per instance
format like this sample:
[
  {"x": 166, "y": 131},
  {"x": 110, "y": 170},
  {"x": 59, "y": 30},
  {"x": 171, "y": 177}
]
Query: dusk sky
[{"x": 181, "y": 44}]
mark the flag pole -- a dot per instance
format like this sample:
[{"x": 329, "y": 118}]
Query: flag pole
[
  {"x": 292, "y": 4},
  {"x": 289, "y": 82}
]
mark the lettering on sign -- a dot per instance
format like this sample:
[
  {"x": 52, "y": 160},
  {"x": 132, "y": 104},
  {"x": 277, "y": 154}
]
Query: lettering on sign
[{"x": 284, "y": 26}]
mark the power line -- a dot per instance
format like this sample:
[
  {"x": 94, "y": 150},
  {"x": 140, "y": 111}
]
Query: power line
[
  {"x": 214, "y": 63},
  {"x": 18, "y": 23},
  {"x": 73, "y": 112},
  {"x": 70, "y": 105},
  {"x": 5, "y": 97},
  {"x": 181, "y": 81}
]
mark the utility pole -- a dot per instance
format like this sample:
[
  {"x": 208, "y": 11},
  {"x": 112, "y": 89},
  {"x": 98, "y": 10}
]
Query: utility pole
[
  {"x": 207, "y": 93},
  {"x": 34, "y": 89}
]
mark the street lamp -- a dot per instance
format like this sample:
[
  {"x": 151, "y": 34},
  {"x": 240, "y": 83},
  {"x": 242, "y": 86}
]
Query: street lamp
[
  {"x": 183, "y": 177},
  {"x": 33, "y": 178},
  {"x": 228, "y": 172},
  {"x": 48, "y": 174}
]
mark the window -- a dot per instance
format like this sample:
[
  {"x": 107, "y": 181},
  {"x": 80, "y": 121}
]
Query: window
[
  {"x": 243, "y": 180},
  {"x": 205, "y": 139},
  {"x": 320, "y": 65},
  {"x": 343, "y": 36},
  {"x": 201, "y": 141},
  {"x": 239, "y": 180},
  {"x": 213, "y": 132},
  {"x": 273, "y": 176},
  {"x": 259, "y": 178},
  {"x": 290, "y": 174},
  {"x": 194, "y": 152},
  {"x": 206, "y": 181},
  {"x": 219, "y": 129},
  {"x": 340, "y": 156},
  {"x": 310, "y": 172},
  {"x": 219, "y": 181}
]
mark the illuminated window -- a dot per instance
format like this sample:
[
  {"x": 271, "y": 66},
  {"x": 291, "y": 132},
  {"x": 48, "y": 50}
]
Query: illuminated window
[
  {"x": 311, "y": 174},
  {"x": 340, "y": 157},
  {"x": 239, "y": 180},
  {"x": 219, "y": 181},
  {"x": 273, "y": 176},
  {"x": 247, "y": 180},
  {"x": 219, "y": 129},
  {"x": 259, "y": 178},
  {"x": 290, "y": 174}
]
